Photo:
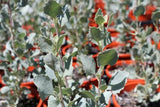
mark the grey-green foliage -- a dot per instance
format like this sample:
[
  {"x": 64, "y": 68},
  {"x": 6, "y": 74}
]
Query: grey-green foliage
[{"x": 44, "y": 85}]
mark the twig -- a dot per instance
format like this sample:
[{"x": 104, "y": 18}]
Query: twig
[
  {"x": 61, "y": 96},
  {"x": 10, "y": 24}
]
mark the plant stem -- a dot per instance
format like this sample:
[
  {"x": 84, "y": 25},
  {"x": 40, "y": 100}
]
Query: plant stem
[
  {"x": 61, "y": 95},
  {"x": 10, "y": 24},
  {"x": 99, "y": 82}
]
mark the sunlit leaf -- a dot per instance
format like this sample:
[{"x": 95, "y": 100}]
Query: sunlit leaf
[
  {"x": 44, "y": 85},
  {"x": 45, "y": 44},
  {"x": 118, "y": 81},
  {"x": 107, "y": 95},
  {"x": 88, "y": 64},
  {"x": 53, "y": 102},
  {"x": 69, "y": 67},
  {"x": 50, "y": 73},
  {"x": 53, "y": 62},
  {"x": 4, "y": 89}
]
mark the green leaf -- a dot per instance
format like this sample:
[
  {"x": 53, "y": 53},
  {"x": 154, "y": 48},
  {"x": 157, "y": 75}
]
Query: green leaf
[
  {"x": 71, "y": 104},
  {"x": 66, "y": 91},
  {"x": 44, "y": 85},
  {"x": 21, "y": 36},
  {"x": 45, "y": 44},
  {"x": 99, "y": 12},
  {"x": 118, "y": 81},
  {"x": 23, "y": 3},
  {"x": 68, "y": 62},
  {"x": 110, "y": 19},
  {"x": 30, "y": 38},
  {"x": 53, "y": 102},
  {"x": 5, "y": 89},
  {"x": 107, "y": 94},
  {"x": 63, "y": 19},
  {"x": 148, "y": 31},
  {"x": 19, "y": 51},
  {"x": 59, "y": 43},
  {"x": 155, "y": 37},
  {"x": 100, "y": 20},
  {"x": 87, "y": 94},
  {"x": 119, "y": 85},
  {"x": 50, "y": 73},
  {"x": 53, "y": 62},
  {"x": 103, "y": 87},
  {"x": 156, "y": 15},
  {"x": 108, "y": 57},
  {"x": 96, "y": 34},
  {"x": 88, "y": 64},
  {"x": 155, "y": 98},
  {"x": 69, "y": 67},
  {"x": 139, "y": 10},
  {"x": 53, "y": 9},
  {"x": 107, "y": 39}
]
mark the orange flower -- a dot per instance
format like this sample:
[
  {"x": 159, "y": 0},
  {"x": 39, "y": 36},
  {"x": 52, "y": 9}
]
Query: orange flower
[
  {"x": 30, "y": 68},
  {"x": 34, "y": 93},
  {"x": 1, "y": 83},
  {"x": 87, "y": 85},
  {"x": 27, "y": 27},
  {"x": 64, "y": 48},
  {"x": 146, "y": 17},
  {"x": 113, "y": 45},
  {"x": 115, "y": 103},
  {"x": 132, "y": 83},
  {"x": 98, "y": 4},
  {"x": 32, "y": 88},
  {"x": 158, "y": 89},
  {"x": 113, "y": 32}
]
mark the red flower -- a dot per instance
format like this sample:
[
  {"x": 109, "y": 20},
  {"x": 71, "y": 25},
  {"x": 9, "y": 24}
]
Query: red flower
[
  {"x": 113, "y": 32},
  {"x": 64, "y": 49},
  {"x": 158, "y": 45},
  {"x": 146, "y": 16},
  {"x": 27, "y": 27},
  {"x": 98, "y": 4},
  {"x": 1, "y": 83},
  {"x": 30, "y": 68},
  {"x": 75, "y": 63},
  {"x": 132, "y": 83},
  {"x": 94, "y": 81},
  {"x": 158, "y": 89},
  {"x": 113, "y": 45},
  {"x": 115, "y": 103},
  {"x": 118, "y": 63},
  {"x": 88, "y": 84},
  {"x": 34, "y": 93}
]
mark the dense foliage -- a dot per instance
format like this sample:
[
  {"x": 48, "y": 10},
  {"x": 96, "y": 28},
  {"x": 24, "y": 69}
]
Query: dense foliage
[{"x": 79, "y": 53}]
